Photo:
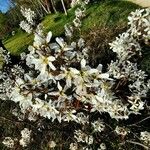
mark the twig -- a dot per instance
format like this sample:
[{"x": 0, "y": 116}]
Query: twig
[
  {"x": 139, "y": 121},
  {"x": 108, "y": 126},
  {"x": 136, "y": 143},
  {"x": 135, "y": 135},
  {"x": 13, "y": 121}
]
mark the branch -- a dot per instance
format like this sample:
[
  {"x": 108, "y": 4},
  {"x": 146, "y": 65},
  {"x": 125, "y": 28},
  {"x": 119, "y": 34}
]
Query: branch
[
  {"x": 15, "y": 122},
  {"x": 139, "y": 121},
  {"x": 136, "y": 143}
]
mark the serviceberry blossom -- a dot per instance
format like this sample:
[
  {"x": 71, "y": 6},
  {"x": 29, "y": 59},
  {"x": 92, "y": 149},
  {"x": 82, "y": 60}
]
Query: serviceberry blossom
[
  {"x": 98, "y": 126},
  {"x": 83, "y": 137},
  {"x": 145, "y": 137},
  {"x": 52, "y": 144},
  {"x": 25, "y": 26},
  {"x": 28, "y": 14},
  {"x": 5, "y": 55},
  {"x": 29, "y": 23},
  {"x": 102, "y": 146},
  {"x": 8, "y": 142},
  {"x": 25, "y": 137},
  {"x": 121, "y": 131},
  {"x": 139, "y": 23},
  {"x": 68, "y": 30},
  {"x": 79, "y": 14},
  {"x": 73, "y": 146}
]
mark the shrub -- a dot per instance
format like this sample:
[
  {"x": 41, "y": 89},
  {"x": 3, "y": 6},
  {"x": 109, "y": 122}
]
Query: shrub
[{"x": 93, "y": 108}]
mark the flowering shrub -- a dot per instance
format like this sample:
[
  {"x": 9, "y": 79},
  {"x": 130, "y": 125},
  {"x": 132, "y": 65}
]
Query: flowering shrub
[{"x": 59, "y": 84}]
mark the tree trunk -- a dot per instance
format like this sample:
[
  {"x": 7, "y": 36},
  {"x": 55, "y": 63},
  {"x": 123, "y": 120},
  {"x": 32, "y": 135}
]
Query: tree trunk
[
  {"x": 47, "y": 5},
  {"x": 53, "y": 6},
  {"x": 42, "y": 5},
  {"x": 62, "y": 1}
]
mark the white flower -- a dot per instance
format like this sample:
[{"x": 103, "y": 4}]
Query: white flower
[
  {"x": 69, "y": 75},
  {"x": 43, "y": 62},
  {"x": 28, "y": 14},
  {"x": 63, "y": 45},
  {"x": 8, "y": 142},
  {"x": 39, "y": 38},
  {"x": 121, "y": 131},
  {"x": 81, "y": 43},
  {"x": 25, "y": 26},
  {"x": 77, "y": 22},
  {"x": 60, "y": 94},
  {"x": 69, "y": 116},
  {"x": 25, "y": 137},
  {"x": 125, "y": 46},
  {"x": 102, "y": 146},
  {"x": 23, "y": 142},
  {"x": 145, "y": 137},
  {"x": 82, "y": 118},
  {"x": 118, "y": 110},
  {"x": 98, "y": 126},
  {"x": 73, "y": 146},
  {"x": 25, "y": 100},
  {"x": 38, "y": 104},
  {"x": 48, "y": 110},
  {"x": 136, "y": 104},
  {"x": 80, "y": 136},
  {"x": 89, "y": 139},
  {"x": 86, "y": 1},
  {"x": 52, "y": 144},
  {"x": 79, "y": 13},
  {"x": 49, "y": 36}
]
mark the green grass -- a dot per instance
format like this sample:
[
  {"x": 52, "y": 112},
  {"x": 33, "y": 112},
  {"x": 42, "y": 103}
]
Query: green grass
[
  {"x": 109, "y": 13},
  {"x": 18, "y": 43}
]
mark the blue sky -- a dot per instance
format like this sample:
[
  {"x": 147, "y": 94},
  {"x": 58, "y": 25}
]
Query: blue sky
[{"x": 4, "y": 5}]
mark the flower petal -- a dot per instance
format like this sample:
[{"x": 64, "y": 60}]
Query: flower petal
[
  {"x": 49, "y": 36},
  {"x": 51, "y": 66},
  {"x": 83, "y": 63}
]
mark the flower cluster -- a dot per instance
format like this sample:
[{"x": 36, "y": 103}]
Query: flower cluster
[
  {"x": 28, "y": 14},
  {"x": 27, "y": 24},
  {"x": 8, "y": 142},
  {"x": 128, "y": 49},
  {"x": 85, "y": 141},
  {"x": 7, "y": 75},
  {"x": 25, "y": 137},
  {"x": 79, "y": 15},
  {"x": 5, "y": 55},
  {"x": 24, "y": 141},
  {"x": 139, "y": 22}
]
